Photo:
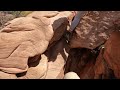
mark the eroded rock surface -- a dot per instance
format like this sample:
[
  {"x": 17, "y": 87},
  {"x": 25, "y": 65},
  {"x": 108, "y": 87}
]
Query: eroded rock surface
[{"x": 94, "y": 29}]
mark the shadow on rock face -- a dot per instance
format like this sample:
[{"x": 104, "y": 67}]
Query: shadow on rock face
[
  {"x": 60, "y": 47},
  {"x": 57, "y": 56},
  {"x": 59, "y": 28},
  {"x": 81, "y": 61},
  {"x": 32, "y": 62}
]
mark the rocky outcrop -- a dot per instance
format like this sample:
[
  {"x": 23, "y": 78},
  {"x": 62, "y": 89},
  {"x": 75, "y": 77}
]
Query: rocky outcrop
[
  {"x": 37, "y": 46},
  {"x": 24, "y": 38},
  {"x": 92, "y": 64},
  {"x": 94, "y": 29},
  {"x": 112, "y": 53},
  {"x": 50, "y": 65}
]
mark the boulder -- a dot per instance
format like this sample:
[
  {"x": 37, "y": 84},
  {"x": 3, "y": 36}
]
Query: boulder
[
  {"x": 94, "y": 29},
  {"x": 21, "y": 39},
  {"x": 112, "y": 53},
  {"x": 26, "y": 37}
]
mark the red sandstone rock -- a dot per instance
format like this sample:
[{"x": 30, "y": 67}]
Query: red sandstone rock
[
  {"x": 112, "y": 53},
  {"x": 94, "y": 29}
]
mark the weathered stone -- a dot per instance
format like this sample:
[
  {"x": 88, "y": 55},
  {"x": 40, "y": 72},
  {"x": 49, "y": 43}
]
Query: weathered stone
[
  {"x": 4, "y": 75},
  {"x": 57, "y": 56},
  {"x": 112, "y": 53},
  {"x": 36, "y": 70},
  {"x": 94, "y": 29},
  {"x": 23, "y": 38},
  {"x": 58, "y": 20},
  {"x": 101, "y": 68},
  {"x": 29, "y": 36}
]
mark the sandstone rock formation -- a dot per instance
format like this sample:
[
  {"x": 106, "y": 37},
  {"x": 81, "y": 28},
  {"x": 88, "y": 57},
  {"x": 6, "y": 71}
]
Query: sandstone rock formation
[
  {"x": 4, "y": 75},
  {"x": 27, "y": 37},
  {"x": 23, "y": 38},
  {"x": 37, "y": 46},
  {"x": 107, "y": 63},
  {"x": 91, "y": 64},
  {"x": 49, "y": 66},
  {"x": 111, "y": 54},
  {"x": 94, "y": 29},
  {"x": 57, "y": 56},
  {"x": 36, "y": 70},
  {"x": 58, "y": 20}
]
